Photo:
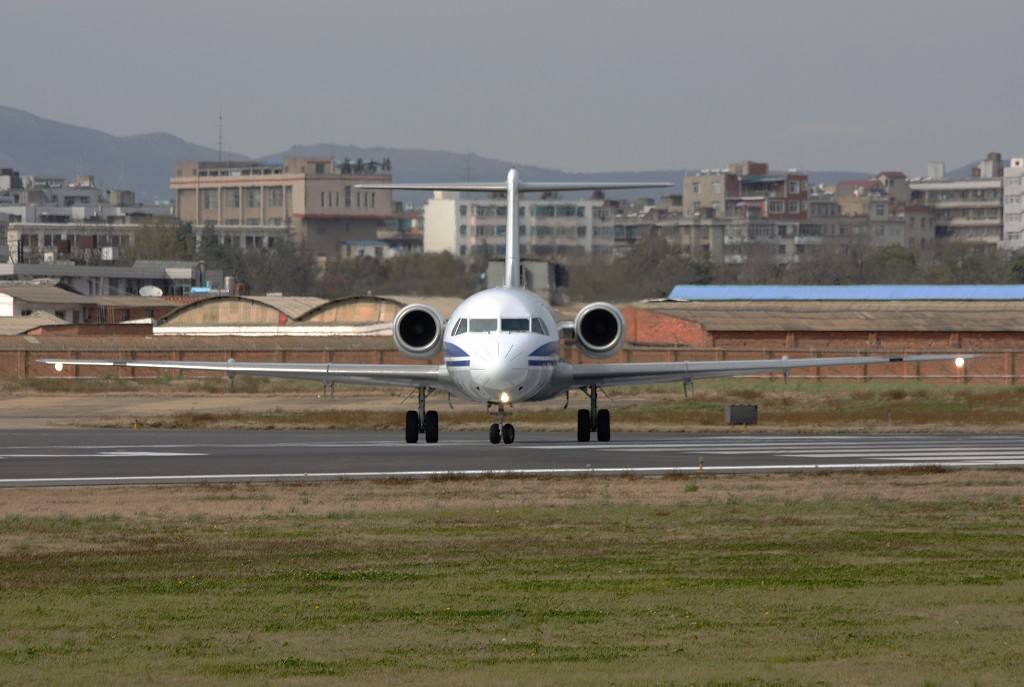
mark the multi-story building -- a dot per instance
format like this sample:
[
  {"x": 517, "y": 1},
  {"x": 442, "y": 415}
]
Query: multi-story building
[
  {"x": 731, "y": 240},
  {"x": 310, "y": 199},
  {"x": 549, "y": 226},
  {"x": 45, "y": 218},
  {"x": 965, "y": 209},
  {"x": 1013, "y": 204},
  {"x": 749, "y": 189}
]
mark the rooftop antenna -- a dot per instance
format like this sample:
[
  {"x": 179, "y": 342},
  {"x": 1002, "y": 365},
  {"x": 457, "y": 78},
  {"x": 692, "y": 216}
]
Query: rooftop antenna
[{"x": 220, "y": 134}]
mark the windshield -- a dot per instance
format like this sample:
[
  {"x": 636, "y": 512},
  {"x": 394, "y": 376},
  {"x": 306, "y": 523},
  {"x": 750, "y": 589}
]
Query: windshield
[
  {"x": 515, "y": 324},
  {"x": 483, "y": 325}
]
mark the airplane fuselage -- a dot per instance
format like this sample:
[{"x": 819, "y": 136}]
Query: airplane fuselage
[{"x": 501, "y": 345}]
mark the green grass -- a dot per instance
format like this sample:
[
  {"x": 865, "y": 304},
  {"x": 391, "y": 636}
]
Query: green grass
[{"x": 901, "y": 579}]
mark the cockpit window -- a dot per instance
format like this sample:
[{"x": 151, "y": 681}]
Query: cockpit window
[
  {"x": 538, "y": 326},
  {"x": 515, "y": 324},
  {"x": 460, "y": 327},
  {"x": 483, "y": 325}
]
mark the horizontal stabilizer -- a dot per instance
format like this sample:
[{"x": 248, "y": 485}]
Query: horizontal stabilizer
[
  {"x": 483, "y": 188},
  {"x": 542, "y": 186},
  {"x": 524, "y": 187}
]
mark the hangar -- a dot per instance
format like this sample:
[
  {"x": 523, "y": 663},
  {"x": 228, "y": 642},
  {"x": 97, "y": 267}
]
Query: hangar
[{"x": 291, "y": 316}]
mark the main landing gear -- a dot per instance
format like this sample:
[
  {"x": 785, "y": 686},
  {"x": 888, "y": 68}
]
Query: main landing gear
[
  {"x": 500, "y": 430},
  {"x": 423, "y": 421},
  {"x": 593, "y": 420}
]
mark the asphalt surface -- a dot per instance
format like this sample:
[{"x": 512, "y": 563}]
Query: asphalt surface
[{"x": 102, "y": 456}]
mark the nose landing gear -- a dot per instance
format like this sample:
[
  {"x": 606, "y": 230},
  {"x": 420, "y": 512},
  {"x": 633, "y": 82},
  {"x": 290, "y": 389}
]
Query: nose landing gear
[
  {"x": 501, "y": 431},
  {"x": 593, "y": 420}
]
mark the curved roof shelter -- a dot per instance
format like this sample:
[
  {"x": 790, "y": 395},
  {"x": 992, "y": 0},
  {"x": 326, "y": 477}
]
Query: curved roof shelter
[
  {"x": 292, "y": 315},
  {"x": 242, "y": 311},
  {"x": 353, "y": 310}
]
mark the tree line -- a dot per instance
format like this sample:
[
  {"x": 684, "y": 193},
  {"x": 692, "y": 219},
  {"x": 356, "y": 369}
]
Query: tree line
[{"x": 648, "y": 270}]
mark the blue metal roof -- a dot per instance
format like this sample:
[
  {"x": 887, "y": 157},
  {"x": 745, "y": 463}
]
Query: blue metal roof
[{"x": 866, "y": 292}]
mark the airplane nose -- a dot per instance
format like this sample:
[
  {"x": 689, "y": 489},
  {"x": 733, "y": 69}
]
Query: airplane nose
[{"x": 500, "y": 372}]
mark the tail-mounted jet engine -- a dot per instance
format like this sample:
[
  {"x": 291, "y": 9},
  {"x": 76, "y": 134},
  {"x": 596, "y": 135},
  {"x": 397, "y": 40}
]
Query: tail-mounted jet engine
[
  {"x": 600, "y": 330},
  {"x": 418, "y": 331}
]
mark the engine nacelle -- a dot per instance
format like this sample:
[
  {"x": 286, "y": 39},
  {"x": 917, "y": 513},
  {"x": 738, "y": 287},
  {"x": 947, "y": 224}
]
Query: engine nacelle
[
  {"x": 418, "y": 331},
  {"x": 600, "y": 330}
]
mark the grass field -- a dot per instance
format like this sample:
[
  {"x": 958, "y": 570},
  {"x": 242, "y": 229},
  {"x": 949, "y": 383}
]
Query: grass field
[
  {"x": 900, "y": 578},
  {"x": 798, "y": 406}
]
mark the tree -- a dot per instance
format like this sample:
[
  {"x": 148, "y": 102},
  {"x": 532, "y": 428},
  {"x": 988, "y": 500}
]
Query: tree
[
  {"x": 891, "y": 265},
  {"x": 649, "y": 270},
  {"x": 420, "y": 274},
  {"x": 163, "y": 238},
  {"x": 286, "y": 268}
]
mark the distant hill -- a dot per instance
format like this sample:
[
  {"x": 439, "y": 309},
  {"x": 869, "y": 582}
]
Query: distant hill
[{"x": 145, "y": 163}]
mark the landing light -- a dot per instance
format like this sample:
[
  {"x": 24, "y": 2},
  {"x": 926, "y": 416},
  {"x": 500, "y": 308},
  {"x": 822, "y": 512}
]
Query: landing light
[
  {"x": 959, "y": 362},
  {"x": 504, "y": 397},
  {"x": 58, "y": 366}
]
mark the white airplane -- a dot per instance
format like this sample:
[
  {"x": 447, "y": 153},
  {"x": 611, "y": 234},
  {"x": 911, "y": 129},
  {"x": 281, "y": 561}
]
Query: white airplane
[{"x": 501, "y": 346}]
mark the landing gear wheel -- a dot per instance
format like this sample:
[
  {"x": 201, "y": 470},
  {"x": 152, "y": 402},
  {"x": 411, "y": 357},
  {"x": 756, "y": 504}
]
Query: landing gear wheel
[
  {"x": 430, "y": 422},
  {"x": 508, "y": 434},
  {"x": 412, "y": 427},
  {"x": 583, "y": 425},
  {"x": 495, "y": 434},
  {"x": 604, "y": 425}
]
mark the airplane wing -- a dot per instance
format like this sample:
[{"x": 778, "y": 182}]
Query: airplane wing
[
  {"x": 621, "y": 374},
  {"x": 435, "y": 376}
]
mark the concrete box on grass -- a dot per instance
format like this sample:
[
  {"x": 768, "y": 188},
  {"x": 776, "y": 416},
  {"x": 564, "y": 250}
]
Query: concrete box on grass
[{"x": 741, "y": 415}]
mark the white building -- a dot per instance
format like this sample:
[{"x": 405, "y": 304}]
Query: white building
[
  {"x": 473, "y": 224},
  {"x": 1013, "y": 204}
]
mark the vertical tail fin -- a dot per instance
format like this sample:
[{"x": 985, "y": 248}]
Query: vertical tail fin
[{"x": 512, "y": 231}]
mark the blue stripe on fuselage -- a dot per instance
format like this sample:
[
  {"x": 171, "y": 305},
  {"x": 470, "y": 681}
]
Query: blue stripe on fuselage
[
  {"x": 457, "y": 363},
  {"x": 454, "y": 351},
  {"x": 550, "y": 348}
]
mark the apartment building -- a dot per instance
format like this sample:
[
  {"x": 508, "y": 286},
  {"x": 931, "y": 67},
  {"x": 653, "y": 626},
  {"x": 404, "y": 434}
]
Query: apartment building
[
  {"x": 47, "y": 218},
  {"x": 965, "y": 209},
  {"x": 747, "y": 189},
  {"x": 465, "y": 225},
  {"x": 311, "y": 199}
]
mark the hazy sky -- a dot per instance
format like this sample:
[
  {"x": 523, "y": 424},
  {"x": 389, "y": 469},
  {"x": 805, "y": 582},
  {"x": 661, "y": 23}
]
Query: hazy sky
[{"x": 583, "y": 86}]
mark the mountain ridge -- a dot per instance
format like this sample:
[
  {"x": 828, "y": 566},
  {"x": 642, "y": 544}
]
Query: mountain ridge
[{"x": 145, "y": 162}]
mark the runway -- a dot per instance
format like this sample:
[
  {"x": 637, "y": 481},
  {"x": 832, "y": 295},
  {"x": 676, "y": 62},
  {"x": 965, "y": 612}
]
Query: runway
[{"x": 100, "y": 456}]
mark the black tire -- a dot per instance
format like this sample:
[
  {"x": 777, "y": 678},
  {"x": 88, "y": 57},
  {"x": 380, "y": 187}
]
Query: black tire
[
  {"x": 412, "y": 427},
  {"x": 508, "y": 434},
  {"x": 583, "y": 425},
  {"x": 495, "y": 434},
  {"x": 604, "y": 425},
  {"x": 430, "y": 426}
]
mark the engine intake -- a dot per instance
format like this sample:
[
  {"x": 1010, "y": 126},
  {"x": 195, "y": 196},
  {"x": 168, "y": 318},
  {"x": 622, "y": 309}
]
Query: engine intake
[
  {"x": 418, "y": 331},
  {"x": 600, "y": 330}
]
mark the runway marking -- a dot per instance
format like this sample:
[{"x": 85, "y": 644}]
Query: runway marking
[
  {"x": 515, "y": 472},
  {"x": 104, "y": 454}
]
